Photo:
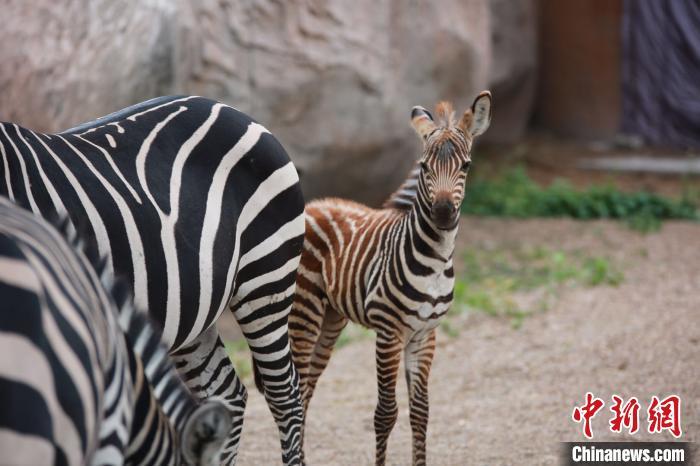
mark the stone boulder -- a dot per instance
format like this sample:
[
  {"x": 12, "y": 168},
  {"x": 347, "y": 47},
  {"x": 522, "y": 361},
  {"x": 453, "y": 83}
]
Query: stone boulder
[
  {"x": 336, "y": 81},
  {"x": 333, "y": 80},
  {"x": 71, "y": 61},
  {"x": 513, "y": 77}
]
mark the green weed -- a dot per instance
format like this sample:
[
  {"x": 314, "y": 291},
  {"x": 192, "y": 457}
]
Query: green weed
[
  {"x": 494, "y": 279},
  {"x": 515, "y": 194},
  {"x": 239, "y": 354}
]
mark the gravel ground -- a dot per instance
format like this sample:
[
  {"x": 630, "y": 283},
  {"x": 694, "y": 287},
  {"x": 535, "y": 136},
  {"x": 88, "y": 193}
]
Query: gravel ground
[{"x": 500, "y": 395}]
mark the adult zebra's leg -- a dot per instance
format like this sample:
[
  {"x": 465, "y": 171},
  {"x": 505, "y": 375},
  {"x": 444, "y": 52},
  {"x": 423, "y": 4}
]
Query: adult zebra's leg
[
  {"x": 208, "y": 373},
  {"x": 276, "y": 376},
  {"x": 304, "y": 331},
  {"x": 261, "y": 302},
  {"x": 388, "y": 357},
  {"x": 418, "y": 359}
]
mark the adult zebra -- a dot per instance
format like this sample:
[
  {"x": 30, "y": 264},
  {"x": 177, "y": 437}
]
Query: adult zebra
[
  {"x": 82, "y": 379},
  {"x": 200, "y": 208}
]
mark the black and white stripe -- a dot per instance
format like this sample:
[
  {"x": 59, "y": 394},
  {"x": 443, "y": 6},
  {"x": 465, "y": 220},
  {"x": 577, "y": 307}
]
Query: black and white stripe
[
  {"x": 199, "y": 207},
  {"x": 84, "y": 380},
  {"x": 390, "y": 270},
  {"x": 403, "y": 197}
]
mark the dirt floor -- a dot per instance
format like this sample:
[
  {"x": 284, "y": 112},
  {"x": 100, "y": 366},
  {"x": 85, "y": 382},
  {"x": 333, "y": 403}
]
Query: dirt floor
[{"x": 501, "y": 395}]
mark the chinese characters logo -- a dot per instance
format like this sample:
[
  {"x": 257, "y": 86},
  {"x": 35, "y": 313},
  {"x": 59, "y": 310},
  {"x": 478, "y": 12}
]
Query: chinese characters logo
[{"x": 661, "y": 414}]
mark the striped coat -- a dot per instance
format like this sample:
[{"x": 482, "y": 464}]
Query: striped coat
[
  {"x": 199, "y": 208},
  {"x": 389, "y": 270},
  {"x": 82, "y": 380}
]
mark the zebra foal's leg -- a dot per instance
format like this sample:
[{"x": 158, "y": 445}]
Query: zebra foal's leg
[
  {"x": 418, "y": 359},
  {"x": 388, "y": 356},
  {"x": 208, "y": 372},
  {"x": 305, "y": 321},
  {"x": 333, "y": 325}
]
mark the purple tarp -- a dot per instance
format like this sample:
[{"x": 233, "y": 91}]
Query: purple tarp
[{"x": 661, "y": 71}]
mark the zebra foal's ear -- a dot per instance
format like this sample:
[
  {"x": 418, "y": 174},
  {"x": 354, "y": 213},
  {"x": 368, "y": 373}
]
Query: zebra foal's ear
[
  {"x": 477, "y": 119},
  {"x": 422, "y": 121},
  {"x": 204, "y": 434}
]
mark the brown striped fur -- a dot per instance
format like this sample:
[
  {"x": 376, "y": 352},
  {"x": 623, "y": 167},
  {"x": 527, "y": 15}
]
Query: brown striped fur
[{"x": 389, "y": 270}]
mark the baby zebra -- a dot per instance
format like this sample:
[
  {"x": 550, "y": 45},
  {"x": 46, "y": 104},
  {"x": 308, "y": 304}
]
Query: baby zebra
[
  {"x": 85, "y": 379},
  {"x": 389, "y": 270}
]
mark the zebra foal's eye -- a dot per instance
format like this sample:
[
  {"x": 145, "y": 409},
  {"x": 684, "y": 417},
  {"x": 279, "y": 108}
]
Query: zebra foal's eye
[
  {"x": 466, "y": 165},
  {"x": 424, "y": 166}
]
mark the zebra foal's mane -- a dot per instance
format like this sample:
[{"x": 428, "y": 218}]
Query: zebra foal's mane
[{"x": 402, "y": 198}]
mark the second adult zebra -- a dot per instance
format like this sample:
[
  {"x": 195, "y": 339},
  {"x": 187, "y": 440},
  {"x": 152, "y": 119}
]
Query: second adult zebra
[{"x": 199, "y": 207}]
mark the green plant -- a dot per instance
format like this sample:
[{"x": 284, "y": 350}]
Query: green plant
[
  {"x": 239, "y": 354},
  {"x": 494, "y": 279},
  {"x": 515, "y": 194},
  {"x": 599, "y": 271}
]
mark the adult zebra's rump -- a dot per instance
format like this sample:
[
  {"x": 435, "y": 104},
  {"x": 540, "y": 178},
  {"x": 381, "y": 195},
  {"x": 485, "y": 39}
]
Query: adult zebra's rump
[
  {"x": 199, "y": 207},
  {"x": 82, "y": 380}
]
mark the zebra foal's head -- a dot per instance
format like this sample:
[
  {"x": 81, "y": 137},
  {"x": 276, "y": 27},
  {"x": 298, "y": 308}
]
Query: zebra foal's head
[{"x": 447, "y": 146}]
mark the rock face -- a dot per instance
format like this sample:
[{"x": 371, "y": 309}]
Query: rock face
[
  {"x": 70, "y": 61},
  {"x": 334, "y": 81},
  {"x": 513, "y": 75}
]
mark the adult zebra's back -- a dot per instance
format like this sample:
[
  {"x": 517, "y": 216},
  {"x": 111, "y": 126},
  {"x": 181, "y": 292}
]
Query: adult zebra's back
[{"x": 199, "y": 207}]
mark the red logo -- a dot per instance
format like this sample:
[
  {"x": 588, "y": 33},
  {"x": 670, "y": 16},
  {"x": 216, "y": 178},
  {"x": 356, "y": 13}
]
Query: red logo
[
  {"x": 586, "y": 413},
  {"x": 665, "y": 415},
  {"x": 661, "y": 415},
  {"x": 626, "y": 416}
]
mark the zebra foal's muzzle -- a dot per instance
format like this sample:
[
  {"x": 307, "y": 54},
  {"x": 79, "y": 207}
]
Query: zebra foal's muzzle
[{"x": 444, "y": 214}]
